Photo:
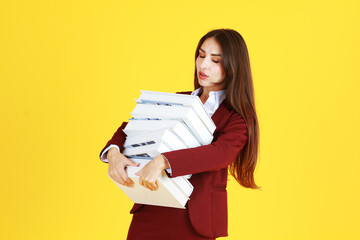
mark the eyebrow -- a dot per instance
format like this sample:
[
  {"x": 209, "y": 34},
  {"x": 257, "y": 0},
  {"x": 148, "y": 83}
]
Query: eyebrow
[{"x": 213, "y": 54}]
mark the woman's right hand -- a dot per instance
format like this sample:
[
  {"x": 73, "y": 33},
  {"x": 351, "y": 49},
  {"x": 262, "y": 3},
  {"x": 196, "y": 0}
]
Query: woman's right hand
[{"x": 117, "y": 165}]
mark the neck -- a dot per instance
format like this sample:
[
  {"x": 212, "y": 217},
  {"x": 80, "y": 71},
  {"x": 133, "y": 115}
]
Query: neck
[{"x": 205, "y": 93}]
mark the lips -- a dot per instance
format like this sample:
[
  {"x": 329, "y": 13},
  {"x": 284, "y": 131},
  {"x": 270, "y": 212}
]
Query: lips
[{"x": 202, "y": 75}]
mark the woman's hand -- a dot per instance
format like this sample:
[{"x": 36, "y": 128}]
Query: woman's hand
[
  {"x": 117, "y": 164},
  {"x": 149, "y": 174}
]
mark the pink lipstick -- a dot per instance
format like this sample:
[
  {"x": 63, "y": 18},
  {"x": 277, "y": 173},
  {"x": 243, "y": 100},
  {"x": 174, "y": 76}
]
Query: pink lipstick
[{"x": 202, "y": 75}]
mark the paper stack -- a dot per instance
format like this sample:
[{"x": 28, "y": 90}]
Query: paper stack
[{"x": 163, "y": 122}]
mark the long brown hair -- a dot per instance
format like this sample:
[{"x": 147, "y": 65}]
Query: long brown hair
[{"x": 240, "y": 95}]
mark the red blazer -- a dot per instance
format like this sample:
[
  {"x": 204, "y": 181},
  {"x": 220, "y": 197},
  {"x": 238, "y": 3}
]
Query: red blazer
[{"x": 207, "y": 206}]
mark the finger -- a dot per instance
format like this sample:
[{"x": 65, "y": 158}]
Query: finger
[
  {"x": 145, "y": 184},
  {"x": 156, "y": 185},
  {"x": 115, "y": 177},
  {"x": 127, "y": 181},
  {"x": 140, "y": 181},
  {"x": 148, "y": 186},
  {"x": 128, "y": 162},
  {"x": 119, "y": 177},
  {"x": 151, "y": 186}
]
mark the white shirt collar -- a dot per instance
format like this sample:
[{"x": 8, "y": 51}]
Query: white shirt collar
[{"x": 214, "y": 100}]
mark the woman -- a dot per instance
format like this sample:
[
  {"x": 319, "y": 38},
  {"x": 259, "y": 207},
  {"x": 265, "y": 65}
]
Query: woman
[{"x": 224, "y": 84}]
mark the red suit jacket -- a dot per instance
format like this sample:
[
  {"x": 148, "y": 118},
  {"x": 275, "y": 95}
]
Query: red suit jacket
[{"x": 207, "y": 206}]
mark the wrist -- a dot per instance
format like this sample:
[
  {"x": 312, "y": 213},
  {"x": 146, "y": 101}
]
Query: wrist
[
  {"x": 112, "y": 152},
  {"x": 163, "y": 163}
]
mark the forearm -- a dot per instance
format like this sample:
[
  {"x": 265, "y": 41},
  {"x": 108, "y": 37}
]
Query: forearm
[
  {"x": 162, "y": 162},
  {"x": 219, "y": 154}
]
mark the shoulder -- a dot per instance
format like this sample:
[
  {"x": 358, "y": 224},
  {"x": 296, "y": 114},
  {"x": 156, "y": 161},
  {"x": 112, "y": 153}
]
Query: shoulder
[
  {"x": 232, "y": 111},
  {"x": 233, "y": 117}
]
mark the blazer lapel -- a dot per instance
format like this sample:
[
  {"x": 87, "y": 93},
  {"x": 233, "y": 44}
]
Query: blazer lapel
[{"x": 221, "y": 116}]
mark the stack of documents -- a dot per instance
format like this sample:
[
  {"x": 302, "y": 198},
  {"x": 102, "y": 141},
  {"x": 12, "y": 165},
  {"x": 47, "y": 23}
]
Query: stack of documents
[{"x": 163, "y": 122}]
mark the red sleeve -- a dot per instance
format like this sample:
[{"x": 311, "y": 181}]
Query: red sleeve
[
  {"x": 219, "y": 154},
  {"x": 118, "y": 138}
]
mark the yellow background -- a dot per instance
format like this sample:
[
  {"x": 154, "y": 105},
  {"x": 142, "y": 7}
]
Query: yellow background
[{"x": 70, "y": 71}]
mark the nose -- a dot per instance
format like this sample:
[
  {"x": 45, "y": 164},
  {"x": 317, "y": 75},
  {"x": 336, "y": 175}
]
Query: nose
[{"x": 204, "y": 64}]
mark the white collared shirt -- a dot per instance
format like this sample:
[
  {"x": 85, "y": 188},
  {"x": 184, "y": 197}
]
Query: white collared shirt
[
  {"x": 211, "y": 105},
  {"x": 214, "y": 100}
]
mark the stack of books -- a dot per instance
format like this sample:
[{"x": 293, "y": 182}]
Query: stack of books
[{"x": 164, "y": 122}]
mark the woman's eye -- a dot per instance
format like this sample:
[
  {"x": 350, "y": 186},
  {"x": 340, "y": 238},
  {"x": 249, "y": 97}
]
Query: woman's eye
[{"x": 212, "y": 60}]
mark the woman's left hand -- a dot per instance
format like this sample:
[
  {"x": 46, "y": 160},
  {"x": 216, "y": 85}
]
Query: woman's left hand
[{"x": 149, "y": 174}]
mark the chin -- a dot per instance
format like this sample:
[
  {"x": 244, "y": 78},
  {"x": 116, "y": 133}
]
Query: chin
[{"x": 204, "y": 83}]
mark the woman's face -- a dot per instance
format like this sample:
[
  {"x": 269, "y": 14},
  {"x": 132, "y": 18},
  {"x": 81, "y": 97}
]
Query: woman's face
[{"x": 209, "y": 70}]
